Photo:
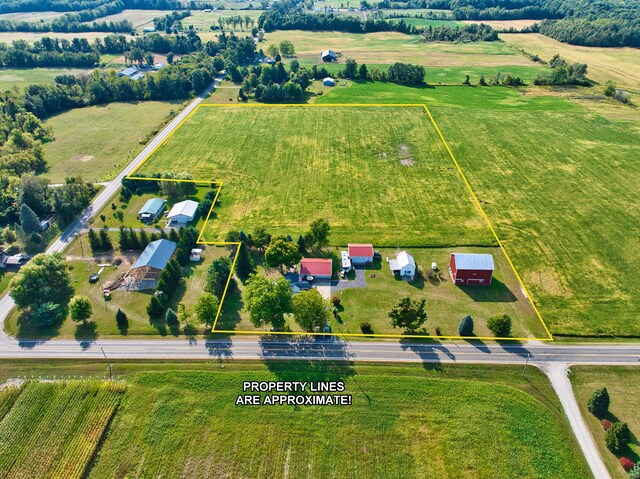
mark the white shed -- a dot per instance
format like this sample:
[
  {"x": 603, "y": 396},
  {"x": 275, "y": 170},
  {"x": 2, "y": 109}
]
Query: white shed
[
  {"x": 329, "y": 82},
  {"x": 404, "y": 265},
  {"x": 183, "y": 212}
]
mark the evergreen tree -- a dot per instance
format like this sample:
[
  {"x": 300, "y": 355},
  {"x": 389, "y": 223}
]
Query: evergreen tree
[
  {"x": 465, "y": 328},
  {"x": 171, "y": 317},
  {"x": 29, "y": 220},
  {"x": 124, "y": 240},
  {"x": 105, "y": 241},
  {"x": 598, "y": 403},
  {"x": 301, "y": 244},
  {"x": 244, "y": 263},
  {"x": 94, "y": 241},
  {"x": 134, "y": 241},
  {"x": 143, "y": 239},
  {"x": 155, "y": 307}
]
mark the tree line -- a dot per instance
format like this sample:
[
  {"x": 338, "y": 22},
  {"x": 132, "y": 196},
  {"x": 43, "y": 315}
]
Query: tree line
[{"x": 563, "y": 73}]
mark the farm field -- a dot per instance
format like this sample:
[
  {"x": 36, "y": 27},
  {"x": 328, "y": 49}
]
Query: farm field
[
  {"x": 446, "y": 303},
  {"x": 504, "y": 24},
  {"x": 623, "y": 384},
  {"x": 23, "y": 77},
  {"x": 54, "y": 429},
  {"x": 97, "y": 141},
  {"x": 575, "y": 254},
  {"x": 30, "y": 16},
  {"x": 622, "y": 65},
  {"x": 203, "y": 20},
  {"x": 350, "y": 168},
  {"x": 8, "y": 37},
  {"x": 139, "y": 18},
  {"x": 185, "y": 422},
  {"x": 391, "y": 47}
]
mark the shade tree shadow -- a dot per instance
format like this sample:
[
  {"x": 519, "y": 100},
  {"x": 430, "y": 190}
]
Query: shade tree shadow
[{"x": 86, "y": 334}]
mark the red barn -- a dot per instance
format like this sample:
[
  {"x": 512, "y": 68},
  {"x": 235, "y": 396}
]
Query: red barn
[
  {"x": 471, "y": 268},
  {"x": 319, "y": 268}
]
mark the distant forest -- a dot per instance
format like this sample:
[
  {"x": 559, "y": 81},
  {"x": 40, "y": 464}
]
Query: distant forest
[{"x": 602, "y": 23}]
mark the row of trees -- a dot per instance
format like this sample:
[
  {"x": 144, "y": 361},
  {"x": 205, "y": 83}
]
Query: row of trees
[
  {"x": 563, "y": 73},
  {"x": 467, "y": 33}
]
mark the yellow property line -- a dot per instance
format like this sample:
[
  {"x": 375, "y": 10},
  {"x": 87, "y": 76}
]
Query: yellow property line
[{"x": 201, "y": 241}]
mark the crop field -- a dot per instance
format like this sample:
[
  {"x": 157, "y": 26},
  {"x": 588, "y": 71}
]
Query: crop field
[
  {"x": 97, "y": 141},
  {"x": 621, "y": 65},
  {"x": 30, "y": 16},
  {"x": 391, "y": 47},
  {"x": 23, "y": 77},
  {"x": 395, "y": 187},
  {"x": 504, "y": 24},
  {"x": 8, "y": 37},
  {"x": 623, "y": 384},
  {"x": 139, "y": 18},
  {"x": 53, "y": 429},
  {"x": 185, "y": 423}
]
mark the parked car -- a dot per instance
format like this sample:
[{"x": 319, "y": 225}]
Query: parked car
[{"x": 94, "y": 278}]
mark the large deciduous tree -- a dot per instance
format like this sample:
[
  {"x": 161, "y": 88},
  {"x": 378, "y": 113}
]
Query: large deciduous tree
[
  {"x": 408, "y": 314},
  {"x": 80, "y": 308},
  {"x": 310, "y": 309},
  {"x": 281, "y": 251},
  {"x": 207, "y": 308},
  {"x": 268, "y": 301}
]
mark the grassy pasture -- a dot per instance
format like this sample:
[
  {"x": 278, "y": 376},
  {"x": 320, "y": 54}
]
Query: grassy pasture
[
  {"x": 139, "y": 18},
  {"x": 177, "y": 422},
  {"x": 621, "y": 65},
  {"x": 8, "y": 37},
  {"x": 30, "y": 16},
  {"x": 97, "y": 141},
  {"x": 23, "y": 77},
  {"x": 391, "y": 47},
  {"x": 54, "y": 429},
  {"x": 394, "y": 187},
  {"x": 623, "y": 384}
]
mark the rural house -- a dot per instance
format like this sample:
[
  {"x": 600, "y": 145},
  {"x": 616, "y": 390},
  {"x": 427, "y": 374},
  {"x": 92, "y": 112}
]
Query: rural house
[
  {"x": 404, "y": 265},
  {"x": 361, "y": 253},
  {"x": 329, "y": 56},
  {"x": 132, "y": 73},
  {"x": 145, "y": 272},
  {"x": 183, "y": 212},
  {"x": 317, "y": 268},
  {"x": 468, "y": 268},
  {"x": 151, "y": 210}
]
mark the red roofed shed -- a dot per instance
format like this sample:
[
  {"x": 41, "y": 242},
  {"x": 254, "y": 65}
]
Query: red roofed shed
[
  {"x": 317, "y": 267},
  {"x": 361, "y": 253}
]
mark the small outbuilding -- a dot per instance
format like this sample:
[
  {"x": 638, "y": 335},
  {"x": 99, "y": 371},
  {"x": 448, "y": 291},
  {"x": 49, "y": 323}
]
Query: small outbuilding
[
  {"x": 183, "y": 212},
  {"x": 151, "y": 210},
  {"x": 145, "y": 272},
  {"x": 318, "y": 268},
  {"x": 329, "y": 82},
  {"x": 404, "y": 265},
  {"x": 195, "y": 255},
  {"x": 329, "y": 56},
  {"x": 361, "y": 253},
  {"x": 467, "y": 269},
  {"x": 127, "y": 72}
]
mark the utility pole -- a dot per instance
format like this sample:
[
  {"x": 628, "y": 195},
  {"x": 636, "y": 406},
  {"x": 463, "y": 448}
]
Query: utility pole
[
  {"x": 109, "y": 365},
  {"x": 525, "y": 364}
]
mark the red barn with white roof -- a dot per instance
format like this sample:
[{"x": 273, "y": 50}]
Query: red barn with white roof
[
  {"x": 361, "y": 253},
  {"x": 468, "y": 269},
  {"x": 319, "y": 268}
]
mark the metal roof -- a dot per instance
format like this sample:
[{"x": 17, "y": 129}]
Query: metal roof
[
  {"x": 468, "y": 261},
  {"x": 153, "y": 206},
  {"x": 316, "y": 267},
  {"x": 360, "y": 250},
  {"x": 186, "y": 208},
  {"x": 403, "y": 259},
  {"x": 156, "y": 255},
  {"x": 127, "y": 72},
  {"x": 328, "y": 53}
]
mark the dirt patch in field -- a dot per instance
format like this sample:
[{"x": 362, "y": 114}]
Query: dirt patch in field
[
  {"x": 406, "y": 159},
  {"x": 84, "y": 158},
  {"x": 550, "y": 282}
]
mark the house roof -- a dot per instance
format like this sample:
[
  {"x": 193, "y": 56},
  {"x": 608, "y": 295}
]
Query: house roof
[
  {"x": 360, "y": 250},
  {"x": 153, "y": 206},
  {"x": 186, "y": 208},
  {"x": 469, "y": 261},
  {"x": 316, "y": 267},
  {"x": 326, "y": 53},
  {"x": 136, "y": 76},
  {"x": 404, "y": 259},
  {"x": 328, "y": 80},
  {"x": 129, "y": 71},
  {"x": 156, "y": 255}
]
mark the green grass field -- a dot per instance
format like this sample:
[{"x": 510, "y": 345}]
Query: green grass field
[
  {"x": 54, "y": 429},
  {"x": 96, "y": 142},
  {"x": 623, "y": 384},
  {"x": 181, "y": 420},
  {"x": 22, "y": 77},
  {"x": 394, "y": 187},
  {"x": 573, "y": 249}
]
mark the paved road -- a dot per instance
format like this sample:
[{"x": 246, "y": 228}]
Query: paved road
[{"x": 111, "y": 188}]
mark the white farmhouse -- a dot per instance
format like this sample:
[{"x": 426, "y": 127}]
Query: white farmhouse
[{"x": 404, "y": 265}]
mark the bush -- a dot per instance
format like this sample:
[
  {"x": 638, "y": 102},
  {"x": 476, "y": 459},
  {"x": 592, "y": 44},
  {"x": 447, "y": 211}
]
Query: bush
[
  {"x": 634, "y": 473},
  {"x": 47, "y": 314},
  {"x": 617, "y": 437},
  {"x": 500, "y": 325},
  {"x": 365, "y": 327},
  {"x": 605, "y": 424},
  {"x": 598, "y": 403},
  {"x": 626, "y": 463},
  {"x": 335, "y": 301},
  {"x": 171, "y": 317},
  {"x": 465, "y": 328}
]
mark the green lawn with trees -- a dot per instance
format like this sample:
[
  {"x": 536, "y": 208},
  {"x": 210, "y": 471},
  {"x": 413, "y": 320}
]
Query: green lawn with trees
[
  {"x": 443, "y": 420},
  {"x": 622, "y": 388},
  {"x": 379, "y": 175}
]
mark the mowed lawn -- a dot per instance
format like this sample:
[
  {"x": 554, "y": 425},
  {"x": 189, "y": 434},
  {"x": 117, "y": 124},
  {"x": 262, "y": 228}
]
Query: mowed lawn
[
  {"x": 97, "y": 141},
  {"x": 404, "y": 422},
  {"x": 22, "y": 77},
  {"x": 379, "y": 175},
  {"x": 623, "y": 384}
]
